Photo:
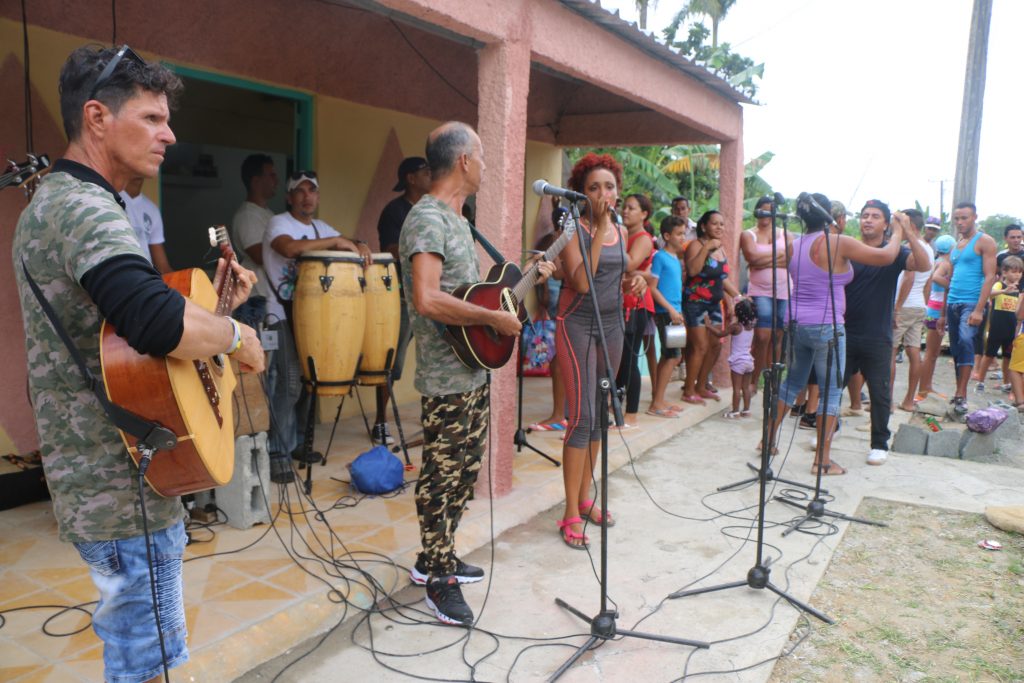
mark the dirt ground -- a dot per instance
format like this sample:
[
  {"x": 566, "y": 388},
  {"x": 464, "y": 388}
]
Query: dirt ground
[{"x": 917, "y": 601}]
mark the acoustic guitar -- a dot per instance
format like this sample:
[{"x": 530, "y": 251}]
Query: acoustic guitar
[
  {"x": 481, "y": 347},
  {"x": 192, "y": 398}
]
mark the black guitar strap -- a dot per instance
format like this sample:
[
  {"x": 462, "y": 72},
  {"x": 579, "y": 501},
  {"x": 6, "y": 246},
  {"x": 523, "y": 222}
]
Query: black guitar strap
[
  {"x": 488, "y": 247},
  {"x": 150, "y": 433}
]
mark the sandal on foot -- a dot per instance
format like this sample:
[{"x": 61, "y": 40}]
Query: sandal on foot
[
  {"x": 830, "y": 470},
  {"x": 731, "y": 415},
  {"x": 542, "y": 427},
  {"x": 696, "y": 400},
  {"x": 744, "y": 413},
  {"x": 662, "y": 412},
  {"x": 569, "y": 536},
  {"x": 587, "y": 510}
]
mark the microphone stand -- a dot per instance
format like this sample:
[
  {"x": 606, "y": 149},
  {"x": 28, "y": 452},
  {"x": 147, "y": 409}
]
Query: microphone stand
[
  {"x": 772, "y": 382},
  {"x": 759, "y": 576},
  {"x": 519, "y": 438},
  {"x": 815, "y": 509},
  {"x": 603, "y": 626}
]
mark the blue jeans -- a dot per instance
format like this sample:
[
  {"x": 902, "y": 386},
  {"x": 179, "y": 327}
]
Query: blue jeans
[
  {"x": 810, "y": 350},
  {"x": 124, "y": 618},
  {"x": 765, "y": 309},
  {"x": 961, "y": 334}
]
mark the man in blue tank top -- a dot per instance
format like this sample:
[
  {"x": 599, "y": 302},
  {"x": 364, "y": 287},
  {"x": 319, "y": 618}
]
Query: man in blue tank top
[{"x": 974, "y": 273}]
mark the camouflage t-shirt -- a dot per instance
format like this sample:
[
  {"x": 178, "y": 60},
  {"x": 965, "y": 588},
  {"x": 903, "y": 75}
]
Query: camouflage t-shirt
[
  {"x": 433, "y": 227},
  {"x": 69, "y": 227}
]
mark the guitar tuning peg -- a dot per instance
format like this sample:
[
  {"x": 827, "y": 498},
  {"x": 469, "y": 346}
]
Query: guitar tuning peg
[{"x": 212, "y": 232}]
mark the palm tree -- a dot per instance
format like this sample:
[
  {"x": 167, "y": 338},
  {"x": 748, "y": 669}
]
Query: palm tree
[
  {"x": 642, "y": 7},
  {"x": 716, "y": 9}
]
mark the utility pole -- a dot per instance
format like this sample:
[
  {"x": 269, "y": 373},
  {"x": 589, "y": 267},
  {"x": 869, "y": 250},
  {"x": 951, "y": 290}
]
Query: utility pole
[{"x": 965, "y": 184}]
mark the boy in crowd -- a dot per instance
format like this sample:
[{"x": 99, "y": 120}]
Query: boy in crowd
[{"x": 668, "y": 306}]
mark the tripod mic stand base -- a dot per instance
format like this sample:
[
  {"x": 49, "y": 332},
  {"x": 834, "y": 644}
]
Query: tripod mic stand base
[
  {"x": 602, "y": 627},
  {"x": 769, "y": 475},
  {"x": 759, "y": 577},
  {"x": 520, "y": 441},
  {"x": 815, "y": 509}
]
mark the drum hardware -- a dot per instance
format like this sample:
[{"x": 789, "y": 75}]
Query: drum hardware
[
  {"x": 325, "y": 282},
  {"x": 362, "y": 283},
  {"x": 387, "y": 282}
]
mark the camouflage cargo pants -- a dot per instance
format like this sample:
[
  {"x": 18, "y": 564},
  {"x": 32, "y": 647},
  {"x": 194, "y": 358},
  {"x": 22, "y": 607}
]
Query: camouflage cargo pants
[{"x": 454, "y": 437}]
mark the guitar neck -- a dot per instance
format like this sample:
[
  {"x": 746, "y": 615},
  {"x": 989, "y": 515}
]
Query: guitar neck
[
  {"x": 531, "y": 275},
  {"x": 227, "y": 288}
]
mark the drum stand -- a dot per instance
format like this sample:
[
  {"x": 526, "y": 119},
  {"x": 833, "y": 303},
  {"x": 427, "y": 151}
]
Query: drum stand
[
  {"x": 308, "y": 457},
  {"x": 389, "y": 381},
  {"x": 519, "y": 439}
]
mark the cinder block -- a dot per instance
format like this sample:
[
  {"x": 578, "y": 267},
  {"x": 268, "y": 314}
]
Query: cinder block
[
  {"x": 945, "y": 444},
  {"x": 1009, "y": 435},
  {"x": 932, "y": 405},
  {"x": 911, "y": 439},
  {"x": 243, "y": 499},
  {"x": 978, "y": 447}
]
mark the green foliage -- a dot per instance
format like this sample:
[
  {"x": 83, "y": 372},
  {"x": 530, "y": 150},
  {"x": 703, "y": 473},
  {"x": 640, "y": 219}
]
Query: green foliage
[
  {"x": 688, "y": 170},
  {"x": 995, "y": 224},
  {"x": 740, "y": 71}
]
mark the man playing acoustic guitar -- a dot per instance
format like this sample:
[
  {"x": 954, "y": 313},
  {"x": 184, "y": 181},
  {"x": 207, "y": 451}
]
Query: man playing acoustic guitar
[
  {"x": 78, "y": 245},
  {"x": 438, "y": 255}
]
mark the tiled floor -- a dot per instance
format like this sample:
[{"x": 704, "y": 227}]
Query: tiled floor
[{"x": 251, "y": 594}]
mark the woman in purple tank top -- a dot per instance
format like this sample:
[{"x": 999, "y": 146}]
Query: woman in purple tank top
[{"x": 810, "y": 308}]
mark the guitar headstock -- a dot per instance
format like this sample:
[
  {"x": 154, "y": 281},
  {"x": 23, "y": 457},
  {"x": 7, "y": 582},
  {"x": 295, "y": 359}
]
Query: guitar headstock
[
  {"x": 27, "y": 174},
  {"x": 219, "y": 238}
]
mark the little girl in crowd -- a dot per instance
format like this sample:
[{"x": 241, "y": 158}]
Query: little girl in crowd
[{"x": 741, "y": 360}]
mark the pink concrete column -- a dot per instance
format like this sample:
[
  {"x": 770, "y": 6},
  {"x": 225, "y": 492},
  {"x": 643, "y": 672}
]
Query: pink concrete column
[
  {"x": 504, "y": 82},
  {"x": 730, "y": 189}
]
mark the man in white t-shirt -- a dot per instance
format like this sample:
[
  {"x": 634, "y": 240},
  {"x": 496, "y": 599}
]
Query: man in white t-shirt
[
  {"x": 288, "y": 235},
  {"x": 248, "y": 227},
  {"x": 908, "y": 317},
  {"x": 145, "y": 218}
]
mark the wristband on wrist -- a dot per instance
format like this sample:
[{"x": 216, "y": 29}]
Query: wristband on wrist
[{"x": 236, "y": 341}]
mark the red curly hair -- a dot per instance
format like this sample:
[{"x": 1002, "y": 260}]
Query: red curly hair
[{"x": 591, "y": 162}]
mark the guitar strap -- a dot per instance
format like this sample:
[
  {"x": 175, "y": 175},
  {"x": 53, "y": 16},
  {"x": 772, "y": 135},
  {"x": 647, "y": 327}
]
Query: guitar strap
[
  {"x": 150, "y": 433},
  {"x": 488, "y": 247}
]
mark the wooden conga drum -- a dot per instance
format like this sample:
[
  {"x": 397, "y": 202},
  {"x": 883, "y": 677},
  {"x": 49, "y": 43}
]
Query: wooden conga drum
[
  {"x": 383, "y": 320},
  {"x": 330, "y": 314}
]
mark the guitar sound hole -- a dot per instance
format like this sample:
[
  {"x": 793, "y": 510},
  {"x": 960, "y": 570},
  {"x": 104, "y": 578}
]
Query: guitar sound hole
[{"x": 218, "y": 362}]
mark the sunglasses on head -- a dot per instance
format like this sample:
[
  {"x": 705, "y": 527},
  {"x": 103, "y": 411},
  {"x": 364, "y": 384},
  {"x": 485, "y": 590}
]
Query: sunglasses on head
[
  {"x": 300, "y": 174},
  {"x": 108, "y": 70}
]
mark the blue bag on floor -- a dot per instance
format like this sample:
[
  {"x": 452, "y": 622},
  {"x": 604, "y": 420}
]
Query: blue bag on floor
[{"x": 377, "y": 471}]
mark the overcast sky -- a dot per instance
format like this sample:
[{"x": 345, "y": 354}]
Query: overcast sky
[{"x": 862, "y": 99}]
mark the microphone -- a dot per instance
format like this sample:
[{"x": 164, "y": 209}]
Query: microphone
[
  {"x": 542, "y": 187},
  {"x": 813, "y": 203},
  {"x": 761, "y": 213}
]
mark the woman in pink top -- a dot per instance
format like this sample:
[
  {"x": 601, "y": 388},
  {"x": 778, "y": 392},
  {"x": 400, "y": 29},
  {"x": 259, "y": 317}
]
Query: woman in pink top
[{"x": 756, "y": 245}]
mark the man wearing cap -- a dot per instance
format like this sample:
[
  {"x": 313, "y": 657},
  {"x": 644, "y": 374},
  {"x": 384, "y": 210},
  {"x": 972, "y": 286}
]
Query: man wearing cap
[
  {"x": 1014, "y": 236},
  {"x": 413, "y": 183},
  {"x": 288, "y": 235},
  {"x": 869, "y": 315},
  {"x": 908, "y": 318},
  {"x": 249, "y": 225},
  {"x": 974, "y": 273},
  {"x": 932, "y": 228}
]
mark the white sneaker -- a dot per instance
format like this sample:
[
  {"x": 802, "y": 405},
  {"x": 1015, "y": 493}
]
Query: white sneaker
[{"x": 877, "y": 456}]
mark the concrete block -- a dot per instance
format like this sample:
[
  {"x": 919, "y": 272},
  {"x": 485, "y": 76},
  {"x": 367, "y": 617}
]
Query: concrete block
[
  {"x": 911, "y": 439},
  {"x": 945, "y": 444},
  {"x": 978, "y": 447},
  {"x": 1010, "y": 436},
  {"x": 243, "y": 499},
  {"x": 932, "y": 405}
]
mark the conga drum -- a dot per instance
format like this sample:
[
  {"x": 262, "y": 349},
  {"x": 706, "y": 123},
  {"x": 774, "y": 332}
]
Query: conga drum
[
  {"x": 330, "y": 313},
  {"x": 383, "y": 320}
]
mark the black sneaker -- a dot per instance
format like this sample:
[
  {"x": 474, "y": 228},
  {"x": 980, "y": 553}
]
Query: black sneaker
[
  {"x": 959, "y": 407},
  {"x": 464, "y": 573},
  {"x": 797, "y": 410},
  {"x": 381, "y": 434},
  {"x": 444, "y": 597},
  {"x": 808, "y": 421}
]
